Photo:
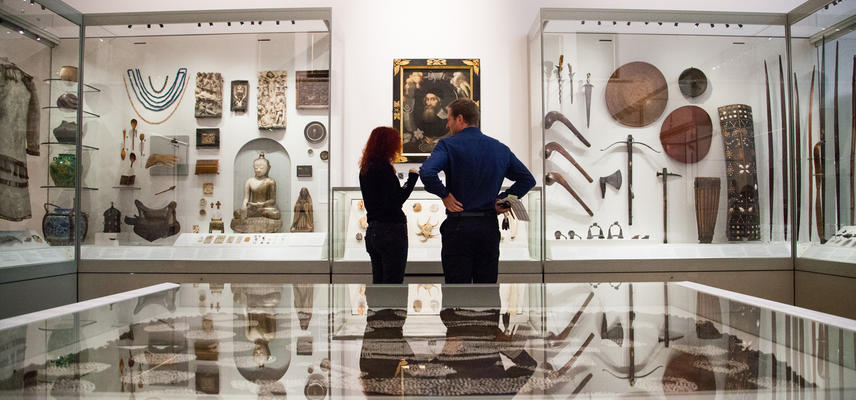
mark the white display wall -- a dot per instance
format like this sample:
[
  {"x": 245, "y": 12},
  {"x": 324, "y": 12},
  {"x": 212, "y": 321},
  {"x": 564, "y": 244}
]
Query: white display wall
[{"x": 235, "y": 57}]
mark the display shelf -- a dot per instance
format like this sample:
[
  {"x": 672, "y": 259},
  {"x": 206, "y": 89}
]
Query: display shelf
[
  {"x": 86, "y": 114},
  {"x": 86, "y": 88},
  {"x": 127, "y": 187},
  {"x": 83, "y": 146}
]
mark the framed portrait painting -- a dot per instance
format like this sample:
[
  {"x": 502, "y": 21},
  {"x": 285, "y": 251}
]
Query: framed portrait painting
[{"x": 422, "y": 88}]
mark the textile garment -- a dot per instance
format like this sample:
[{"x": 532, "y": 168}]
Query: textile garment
[{"x": 19, "y": 136}]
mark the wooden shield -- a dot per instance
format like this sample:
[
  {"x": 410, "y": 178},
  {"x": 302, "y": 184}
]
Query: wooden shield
[
  {"x": 686, "y": 133},
  {"x": 636, "y": 94}
]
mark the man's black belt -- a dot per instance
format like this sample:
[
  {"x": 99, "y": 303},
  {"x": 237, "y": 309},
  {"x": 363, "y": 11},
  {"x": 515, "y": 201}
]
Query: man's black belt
[{"x": 491, "y": 213}]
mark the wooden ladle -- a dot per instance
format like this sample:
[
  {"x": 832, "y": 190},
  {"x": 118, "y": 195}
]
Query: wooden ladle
[
  {"x": 133, "y": 132},
  {"x": 124, "y": 136}
]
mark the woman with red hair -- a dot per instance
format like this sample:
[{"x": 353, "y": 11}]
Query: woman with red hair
[{"x": 386, "y": 236}]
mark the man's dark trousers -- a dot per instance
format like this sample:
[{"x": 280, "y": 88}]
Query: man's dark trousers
[{"x": 470, "y": 249}]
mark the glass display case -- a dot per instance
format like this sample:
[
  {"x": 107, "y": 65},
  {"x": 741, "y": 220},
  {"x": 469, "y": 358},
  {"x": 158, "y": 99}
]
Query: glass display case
[
  {"x": 41, "y": 166},
  {"x": 823, "y": 46},
  {"x": 604, "y": 340},
  {"x": 213, "y": 139},
  {"x": 664, "y": 136},
  {"x": 519, "y": 246}
]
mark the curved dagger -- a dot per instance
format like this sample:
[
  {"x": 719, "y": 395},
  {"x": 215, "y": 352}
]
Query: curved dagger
[
  {"x": 553, "y": 177},
  {"x": 554, "y": 116},
  {"x": 553, "y": 146}
]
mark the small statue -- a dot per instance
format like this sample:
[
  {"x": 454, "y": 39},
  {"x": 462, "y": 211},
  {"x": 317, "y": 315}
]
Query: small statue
[
  {"x": 303, "y": 215},
  {"x": 258, "y": 212}
]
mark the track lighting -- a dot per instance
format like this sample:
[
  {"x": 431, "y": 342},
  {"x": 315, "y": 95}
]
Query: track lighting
[
  {"x": 628, "y": 23},
  {"x": 613, "y": 22},
  {"x": 129, "y": 26},
  {"x": 711, "y": 25},
  {"x": 277, "y": 22},
  {"x": 676, "y": 24},
  {"x": 660, "y": 23},
  {"x": 582, "y": 22},
  {"x": 198, "y": 24},
  {"x": 598, "y": 22},
  {"x": 149, "y": 26},
  {"x": 228, "y": 24},
  {"x": 161, "y": 25},
  {"x": 210, "y": 24}
]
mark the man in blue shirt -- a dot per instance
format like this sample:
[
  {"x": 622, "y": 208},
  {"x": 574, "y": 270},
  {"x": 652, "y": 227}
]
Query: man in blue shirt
[{"x": 475, "y": 166}]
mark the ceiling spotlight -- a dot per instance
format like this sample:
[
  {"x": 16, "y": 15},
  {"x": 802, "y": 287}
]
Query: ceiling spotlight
[
  {"x": 21, "y": 32},
  {"x": 129, "y": 26},
  {"x": 826, "y": 7},
  {"x": 277, "y": 22},
  {"x": 161, "y": 25},
  {"x": 739, "y": 25},
  {"x": 210, "y": 24},
  {"x": 228, "y": 24},
  {"x": 39, "y": 38},
  {"x": 292, "y": 22},
  {"x": 149, "y": 26},
  {"x": 628, "y": 23},
  {"x": 676, "y": 24},
  {"x": 646, "y": 22},
  {"x": 260, "y": 22},
  {"x": 711, "y": 25},
  {"x": 613, "y": 22},
  {"x": 198, "y": 24},
  {"x": 696, "y": 24},
  {"x": 598, "y": 22},
  {"x": 660, "y": 23},
  {"x": 582, "y": 22},
  {"x": 242, "y": 22},
  {"x": 252, "y": 22}
]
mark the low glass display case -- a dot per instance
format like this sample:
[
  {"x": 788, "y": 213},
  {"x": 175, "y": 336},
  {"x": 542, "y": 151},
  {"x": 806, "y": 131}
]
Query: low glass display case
[
  {"x": 350, "y": 341},
  {"x": 663, "y": 135},
  {"x": 519, "y": 244}
]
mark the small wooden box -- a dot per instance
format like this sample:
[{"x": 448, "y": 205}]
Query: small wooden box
[{"x": 207, "y": 167}]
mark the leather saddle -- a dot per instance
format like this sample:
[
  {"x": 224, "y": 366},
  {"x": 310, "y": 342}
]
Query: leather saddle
[{"x": 152, "y": 224}]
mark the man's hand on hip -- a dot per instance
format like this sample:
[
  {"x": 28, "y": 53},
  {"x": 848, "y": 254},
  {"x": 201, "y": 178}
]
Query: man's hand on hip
[{"x": 452, "y": 204}]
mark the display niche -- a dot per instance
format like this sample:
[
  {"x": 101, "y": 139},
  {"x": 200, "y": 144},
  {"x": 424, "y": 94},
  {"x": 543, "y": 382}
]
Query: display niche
[
  {"x": 664, "y": 140},
  {"x": 40, "y": 160},
  {"x": 824, "y": 62},
  {"x": 202, "y": 145}
]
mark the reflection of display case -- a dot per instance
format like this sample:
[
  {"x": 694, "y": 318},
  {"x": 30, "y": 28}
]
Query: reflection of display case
[
  {"x": 518, "y": 247},
  {"x": 197, "y": 74},
  {"x": 626, "y": 98}
]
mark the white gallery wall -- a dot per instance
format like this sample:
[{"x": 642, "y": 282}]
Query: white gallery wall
[{"x": 369, "y": 34}]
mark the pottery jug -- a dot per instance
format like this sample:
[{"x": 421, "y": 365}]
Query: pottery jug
[
  {"x": 62, "y": 169},
  {"x": 57, "y": 225},
  {"x": 66, "y": 132}
]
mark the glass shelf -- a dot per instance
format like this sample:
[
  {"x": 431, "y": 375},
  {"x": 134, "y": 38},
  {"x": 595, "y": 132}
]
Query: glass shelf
[
  {"x": 85, "y": 147},
  {"x": 86, "y": 114},
  {"x": 86, "y": 88},
  {"x": 66, "y": 187}
]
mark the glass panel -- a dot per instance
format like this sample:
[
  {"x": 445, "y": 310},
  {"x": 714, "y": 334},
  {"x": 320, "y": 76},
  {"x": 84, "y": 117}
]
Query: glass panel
[
  {"x": 425, "y": 213},
  {"x": 214, "y": 142},
  {"x": 823, "y": 57},
  {"x": 39, "y": 55},
  {"x": 619, "y": 339},
  {"x": 657, "y": 142}
]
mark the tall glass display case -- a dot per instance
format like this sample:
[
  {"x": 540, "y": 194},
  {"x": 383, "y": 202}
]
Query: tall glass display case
[
  {"x": 42, "y": 169},
  {"x": 664, "y": 139},
  {"x": 213, "y": 142}
]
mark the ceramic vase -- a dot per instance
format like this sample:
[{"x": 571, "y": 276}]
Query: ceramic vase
[{"x": 62, "y": 169}]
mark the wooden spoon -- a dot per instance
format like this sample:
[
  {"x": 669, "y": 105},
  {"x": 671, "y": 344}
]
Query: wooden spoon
[
  {"x": 133, "y": 158},
  {"x": 142, "y": 139},
  {"x": 124, "y": 136},
  {"x": 133, "y": 132}
]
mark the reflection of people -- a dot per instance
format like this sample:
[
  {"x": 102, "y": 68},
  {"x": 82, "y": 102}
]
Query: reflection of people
[
  {"x": 386, "y": 236},
  {"x": 259, "y": 193},
  {"x": 475, "y": 166},
  {"x": 469, "y": 364}
]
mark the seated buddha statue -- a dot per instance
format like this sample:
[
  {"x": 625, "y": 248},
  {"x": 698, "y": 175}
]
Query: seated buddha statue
[{"x": 258, "y": 212}]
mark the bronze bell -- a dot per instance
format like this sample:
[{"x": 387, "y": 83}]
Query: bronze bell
[{"x": 112, "y": 218}]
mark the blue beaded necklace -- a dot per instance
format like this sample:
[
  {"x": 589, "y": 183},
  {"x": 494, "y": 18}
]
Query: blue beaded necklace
[{"x": 154, "y": 102}]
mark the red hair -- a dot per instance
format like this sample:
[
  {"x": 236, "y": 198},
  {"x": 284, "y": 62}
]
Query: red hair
[{"x": 383, "y": 147}]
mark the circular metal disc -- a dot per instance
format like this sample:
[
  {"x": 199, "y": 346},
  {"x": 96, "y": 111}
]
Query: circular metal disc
[
  {"x": 692, "y": 82},
  {"x": 636, "y": 94},
  {"x": 315, "y": 132},
  {"x": 686, "y": 134}
]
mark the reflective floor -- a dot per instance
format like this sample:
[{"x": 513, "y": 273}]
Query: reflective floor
[{"x": 554, "y": 341}]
